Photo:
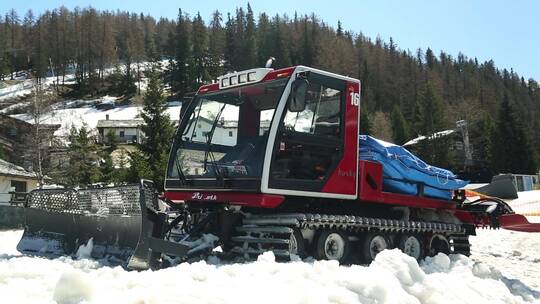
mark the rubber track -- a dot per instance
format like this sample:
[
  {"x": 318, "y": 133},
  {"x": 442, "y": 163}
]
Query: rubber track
[
  {"x": 353, "y": 223},
  {"x": 255, "y": 225}
]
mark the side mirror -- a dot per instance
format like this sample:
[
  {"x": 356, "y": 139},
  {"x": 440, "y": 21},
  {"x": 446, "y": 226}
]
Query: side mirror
[{"x": 298, "y": 95}]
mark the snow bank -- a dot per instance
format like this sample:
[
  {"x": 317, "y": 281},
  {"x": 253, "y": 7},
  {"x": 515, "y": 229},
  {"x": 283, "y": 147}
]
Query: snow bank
[
  {"x": 392, "y": 278},
  {"x": 515, "y": 254}
]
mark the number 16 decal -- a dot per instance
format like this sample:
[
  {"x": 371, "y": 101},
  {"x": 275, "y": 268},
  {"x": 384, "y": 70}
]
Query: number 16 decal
[{"x": 355, "y": 99}]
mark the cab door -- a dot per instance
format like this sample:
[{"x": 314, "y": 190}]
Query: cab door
[{"x": 315, "y": 152}]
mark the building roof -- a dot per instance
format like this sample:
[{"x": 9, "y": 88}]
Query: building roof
[
  {"x": 9, "y": 169},
  {"x": 119, "y": 123}
]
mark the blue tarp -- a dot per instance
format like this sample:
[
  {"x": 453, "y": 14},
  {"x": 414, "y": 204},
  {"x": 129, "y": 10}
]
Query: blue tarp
[{"x": 403, "y": 171}]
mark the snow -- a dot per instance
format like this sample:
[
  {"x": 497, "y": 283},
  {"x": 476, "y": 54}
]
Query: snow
[
  {"x": 495, "y": 273},
  {"x": 9, "y": 169},
  {"x": 85, "y": 251},
  {"x": 527, "y": 203},
  {"x": 90, "y": 115},
  {"x": 434, "y": 135},
  {"x": 21, "y": 88}
]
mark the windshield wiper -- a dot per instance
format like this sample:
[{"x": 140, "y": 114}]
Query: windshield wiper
[
  {"x": 181, "y": 175},
  {"x": 208, "y": 151}
]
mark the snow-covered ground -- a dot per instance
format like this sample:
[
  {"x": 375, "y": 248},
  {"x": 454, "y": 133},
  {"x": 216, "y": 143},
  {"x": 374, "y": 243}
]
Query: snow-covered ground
[
  {"x": 78, "y": 112},
  {"x": 502, "y": 269},
  {"x": 90, "y": 115},
  {"x": 23, "y": 87}
]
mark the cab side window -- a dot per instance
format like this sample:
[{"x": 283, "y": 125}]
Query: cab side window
[
  {"x": 309, "y": 143},
  {"x": 322, "y": 114}
]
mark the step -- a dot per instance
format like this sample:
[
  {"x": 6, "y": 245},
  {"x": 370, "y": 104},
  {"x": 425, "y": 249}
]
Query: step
[
  {"x": 253, "y": 251},
  {"x": 265, "y": 229},
  {"x": 249, "y": 239}
]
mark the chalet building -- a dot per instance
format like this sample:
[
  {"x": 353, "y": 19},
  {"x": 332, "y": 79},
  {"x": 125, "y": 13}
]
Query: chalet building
[
  {"x": 127, "y": 131},
  {"x": 15, "y": 180}
]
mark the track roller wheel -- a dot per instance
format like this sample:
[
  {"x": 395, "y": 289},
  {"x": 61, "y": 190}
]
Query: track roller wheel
[
  {"x": 438, "y": 243},
  {"x": 411, "y": 245},
  {"x": 297, "y": 245},
  {"x": 332, "y": 245},
  {"x": 373, "y": 243}
]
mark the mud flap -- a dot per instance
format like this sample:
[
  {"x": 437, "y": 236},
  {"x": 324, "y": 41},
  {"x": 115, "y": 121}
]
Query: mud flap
[{"x": 59, "y": 221}]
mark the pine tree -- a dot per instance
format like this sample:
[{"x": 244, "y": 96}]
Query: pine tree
[
  {"x": 249, "y": 46},
  {"x": 511, "y": 148},
  {"x": 365, "y": 122},
  {"x": 140, "y": 169},
  {"x": 150, "y": 47},
  {"x": 381, "y": 126},
  {"x": 158, "y": 129},
  {"x": 484, "y": 146},
  {"x": 106, "y": 167},
  {"x": 216, "y": 46},
  {"x": 265, "y": 43},
  {"x": 432, "y": 150},
  {"x": 120, "y": 174},
  {"x": 111, "y": 139},
  {"x": 181, "y": 77},
  {"x": 200, "y": 51},
  {"x": 308, "y": 43},
  {"x": 230, "y": 44},
  {"x": 400, "y": 127},
  {"x": 339, "y": 31},
  {"x": 83, "y": 159},
  {"x": 281, "y": 43}
]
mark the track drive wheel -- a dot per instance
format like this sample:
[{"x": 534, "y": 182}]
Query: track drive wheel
[
  {"x": 411, "y": 245},
  {"x": 297, "y": 245},
  {"x": 332, "y": 245},
  {"x": 438, "y": 243},
  {"x": 373, "y": 243}
]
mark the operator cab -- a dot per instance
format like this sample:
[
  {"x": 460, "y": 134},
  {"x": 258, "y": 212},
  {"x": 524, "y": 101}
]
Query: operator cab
[{"x": 286, "y": 132}]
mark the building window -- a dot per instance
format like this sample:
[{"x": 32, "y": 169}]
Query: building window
[
  {"x": 122, "y": 133},
  {"x": 19, "y": 186},
  {"x": 230, "y": 134}
]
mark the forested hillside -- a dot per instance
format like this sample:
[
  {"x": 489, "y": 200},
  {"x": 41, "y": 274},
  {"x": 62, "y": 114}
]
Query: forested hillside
[{"x": 405, "y": 92}]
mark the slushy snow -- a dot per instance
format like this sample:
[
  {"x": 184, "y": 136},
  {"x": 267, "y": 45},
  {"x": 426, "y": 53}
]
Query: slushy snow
[{"x": 494, "y": 274}]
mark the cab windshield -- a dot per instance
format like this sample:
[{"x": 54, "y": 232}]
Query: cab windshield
[{"x": 225, "y": 134}]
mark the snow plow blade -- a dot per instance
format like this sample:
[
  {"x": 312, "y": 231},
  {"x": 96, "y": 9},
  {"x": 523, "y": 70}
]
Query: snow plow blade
[
  {"x": 518, "y": 222},
  {"x": 107, "y": 221}
]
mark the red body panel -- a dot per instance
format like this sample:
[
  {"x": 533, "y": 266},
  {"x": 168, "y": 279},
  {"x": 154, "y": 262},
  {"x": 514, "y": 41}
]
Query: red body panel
[
  {"x": 518, "y": 222},
  {"x": 235, "y": 198},
  {"x": 370, "y": 191},
  {"x": 467, "y": 217},
  {"x": 344, "y": 178},
  {"x": 371, "y": 181},
  {"x": 515, "y": 222}
]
